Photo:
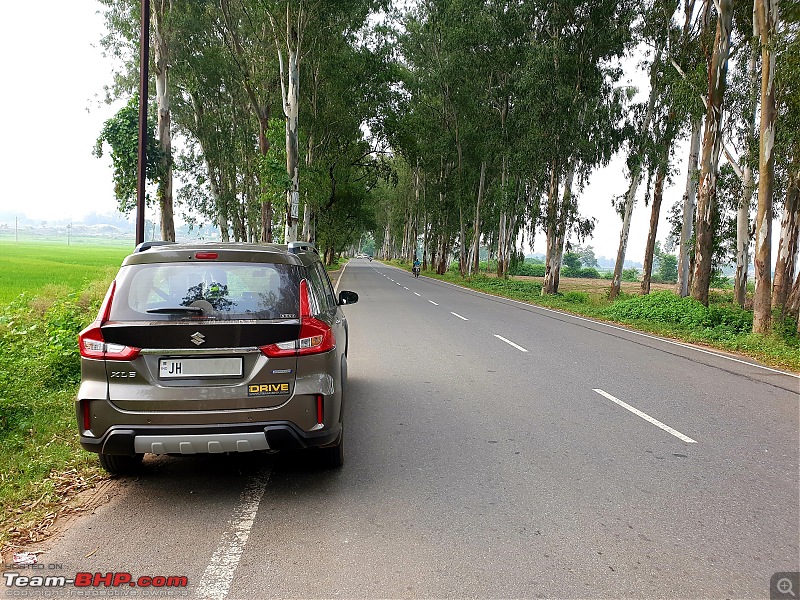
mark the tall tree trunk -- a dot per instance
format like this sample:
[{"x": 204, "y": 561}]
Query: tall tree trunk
[
  {"x": 476, "y": 238},
  {"x": 636, "y": 178},
  {"x": 745, "y": 200},
  {"x": 161, "y": 62},
  {"x": 550, "y": 225},
  {"x": 689, "y": 197},
  {"x": 793, "y": 301},
  {"x": 291, "y": 110},
  {"x": 219, "y": 202},
  {"x": 712, "y": 140},
  {"x": 787, "y": 246},
  {"x": 556, "y": 249},
  {"x": 263, "y": 148},
  {"x": 630, "y": 197},
  {"x": 501, "y": 236},
  {"x": 655, "y": 212},
  {"x": 767, "y": 19}
]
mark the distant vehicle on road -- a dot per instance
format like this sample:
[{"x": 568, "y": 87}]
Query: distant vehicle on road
[{"x": 215, "y": 348}]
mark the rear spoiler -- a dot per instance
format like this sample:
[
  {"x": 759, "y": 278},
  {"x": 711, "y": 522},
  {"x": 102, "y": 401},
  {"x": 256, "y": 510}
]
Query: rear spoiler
[
  {"x": 296, "y": 247},
  {"x": 147, "y": 245}
]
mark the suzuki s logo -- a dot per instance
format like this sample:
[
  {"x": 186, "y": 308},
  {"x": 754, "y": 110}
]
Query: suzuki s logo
[{"x": 198, "y": 338}]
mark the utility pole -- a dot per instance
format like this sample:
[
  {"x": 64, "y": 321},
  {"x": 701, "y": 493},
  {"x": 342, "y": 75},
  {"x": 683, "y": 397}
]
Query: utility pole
[{"x": 144, "y": 65}]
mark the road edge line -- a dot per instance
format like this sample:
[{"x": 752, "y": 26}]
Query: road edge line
[{"x": 610, "y": 326}]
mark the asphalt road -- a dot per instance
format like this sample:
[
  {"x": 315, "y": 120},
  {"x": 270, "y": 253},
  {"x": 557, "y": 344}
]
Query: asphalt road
[{"x": 493, "y": 450}]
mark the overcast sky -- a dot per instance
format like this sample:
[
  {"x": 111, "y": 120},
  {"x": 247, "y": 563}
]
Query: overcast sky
[{"x": 52, "y": 115}]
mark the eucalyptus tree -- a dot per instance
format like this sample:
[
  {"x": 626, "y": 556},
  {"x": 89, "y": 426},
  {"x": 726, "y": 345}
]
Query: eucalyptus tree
[
  {"x": 787, "y": 150},
  {"x": 767, "y": 24},
  {"x": 571, "y": 105},
  {"x": 718, "y": 54}
]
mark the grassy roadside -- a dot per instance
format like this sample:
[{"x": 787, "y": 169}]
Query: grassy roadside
[
  {"x": 42, "y": 465},
  {"x": 723, "y": 325}
]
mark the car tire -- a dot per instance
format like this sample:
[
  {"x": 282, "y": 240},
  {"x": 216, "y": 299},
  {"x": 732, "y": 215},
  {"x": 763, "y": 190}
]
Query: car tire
[
  {"x": 121, "y": 464},
  {"x": 333, "y": 456}
]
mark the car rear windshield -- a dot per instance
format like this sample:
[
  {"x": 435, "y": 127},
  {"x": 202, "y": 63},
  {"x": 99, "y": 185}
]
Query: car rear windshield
[{"x": 166, "y": 291}]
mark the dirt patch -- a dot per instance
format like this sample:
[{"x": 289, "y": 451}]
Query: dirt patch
[{"x": 78, "y": 495}]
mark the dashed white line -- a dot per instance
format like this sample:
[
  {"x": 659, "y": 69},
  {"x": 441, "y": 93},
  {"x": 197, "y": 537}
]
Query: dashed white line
[
  {"x": 217, "y": 578},
  {"x": 510, "y": 343},
  {"x": 646, "y": 417},
  {"x": 417, "y": 294},
  {"x": 405, "y": 288},
  {"x": 631, "y": 331},
  {"x": 459, "y": 316},
  {"x": 432, "y": 302}
]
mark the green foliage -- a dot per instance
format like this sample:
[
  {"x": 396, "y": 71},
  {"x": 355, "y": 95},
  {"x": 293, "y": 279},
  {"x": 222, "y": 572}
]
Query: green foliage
[
  {"x": 668, "y": 308},
  {"x": 39, "y": 372},
  {"x": 631, "y": 274},
  {"x": 527, "y": 269},
  {"x": 572, "y": 261},
  {"x": 575, "y": 297},
  {"x": 668, "y": 268},
  {"x": 584, "y": 273},
  {"x": 121, "y": 133}
]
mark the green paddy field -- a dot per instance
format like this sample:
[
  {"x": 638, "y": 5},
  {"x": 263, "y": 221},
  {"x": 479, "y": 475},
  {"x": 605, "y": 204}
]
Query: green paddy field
[{"x": 28, "y": 267}]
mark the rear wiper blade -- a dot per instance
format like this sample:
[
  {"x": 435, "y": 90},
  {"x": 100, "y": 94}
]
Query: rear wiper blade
[{"x": 175, "y": 310}]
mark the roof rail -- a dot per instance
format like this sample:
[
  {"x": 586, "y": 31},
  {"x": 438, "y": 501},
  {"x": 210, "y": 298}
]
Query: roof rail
[
  {"x": 295, "y": 247},
  {"x": 147, "y": 245}
]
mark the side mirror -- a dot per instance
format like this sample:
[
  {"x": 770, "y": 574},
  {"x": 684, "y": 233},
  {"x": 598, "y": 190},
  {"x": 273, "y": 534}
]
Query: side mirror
[{"x": 346, "y": 297}]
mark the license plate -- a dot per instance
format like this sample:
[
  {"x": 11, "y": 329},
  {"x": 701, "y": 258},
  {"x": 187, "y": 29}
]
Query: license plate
[{"x": 199, "y": 368}]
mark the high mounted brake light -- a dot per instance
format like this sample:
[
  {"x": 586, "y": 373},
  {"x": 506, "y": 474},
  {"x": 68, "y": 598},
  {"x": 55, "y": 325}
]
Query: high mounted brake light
[
  {"x": 315, "y": 336},
  {"x": 206, "y": 255},
  {"x": 91, "y": 342}
]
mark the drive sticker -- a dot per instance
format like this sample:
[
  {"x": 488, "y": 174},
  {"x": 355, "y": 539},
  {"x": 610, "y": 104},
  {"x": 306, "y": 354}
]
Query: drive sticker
[{"x": 267, "y": 389}]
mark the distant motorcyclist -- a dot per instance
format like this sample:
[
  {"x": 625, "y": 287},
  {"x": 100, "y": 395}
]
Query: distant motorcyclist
[{"x": 416, "y": 267}]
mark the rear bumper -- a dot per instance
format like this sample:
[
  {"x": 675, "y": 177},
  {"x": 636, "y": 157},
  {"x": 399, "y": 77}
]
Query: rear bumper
[{"x": 203, "y": 439}]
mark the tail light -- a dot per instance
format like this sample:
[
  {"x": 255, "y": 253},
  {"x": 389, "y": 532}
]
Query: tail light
[
  {"x": 91, "y": 341},
  {"x": 315, "y": 336},
  {"x": 87, "y": 417},
  {"x": 320, "y": 409}
]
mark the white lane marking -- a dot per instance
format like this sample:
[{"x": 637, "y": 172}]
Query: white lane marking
[
  {"x": 398, "y": 283},
  {"x": 336, "y": 289},
  {"x": 652, "y": 337},
  {"x": 405, "y": 288},
  {"x": 518, "y": 347},
  {"x": 432, "y": 302},
  {"x": 459, "y": 316},
  {"x": 217, "y": 578},
  {"x": 647, "y": 417},
  {"x": 417, "y": 294}
]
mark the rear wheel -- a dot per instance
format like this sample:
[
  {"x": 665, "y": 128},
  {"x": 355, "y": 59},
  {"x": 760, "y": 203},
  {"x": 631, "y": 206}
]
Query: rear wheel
[
  {"x": 121, "y": 464},
  {"x": 333, "y": 457}
]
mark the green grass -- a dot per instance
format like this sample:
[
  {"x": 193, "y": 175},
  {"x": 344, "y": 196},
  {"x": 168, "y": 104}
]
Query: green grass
[
  {"x": 28, "y": 267},
  {"x": 722, "y": 325},
  {"x": 57, "y": 291}
]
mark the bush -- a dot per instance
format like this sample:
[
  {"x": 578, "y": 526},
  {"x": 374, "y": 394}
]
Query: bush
[
  {"x": 585, "y": 273},
  {"x": 668, "y": 308},
  {"x": 576, "y": 297},
  {"x": 528, "y": 270},
  {"x": 631, "y": 274}
]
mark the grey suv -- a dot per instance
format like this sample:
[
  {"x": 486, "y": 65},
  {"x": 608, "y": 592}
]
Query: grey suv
[{"x": 215, "y": 348}]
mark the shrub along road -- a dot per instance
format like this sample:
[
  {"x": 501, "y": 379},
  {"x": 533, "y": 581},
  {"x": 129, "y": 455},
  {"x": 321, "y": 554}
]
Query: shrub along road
[{"x": 494, "y": 449}]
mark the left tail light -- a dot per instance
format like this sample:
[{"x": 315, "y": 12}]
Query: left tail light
[{"x": 91, "y": 341}]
